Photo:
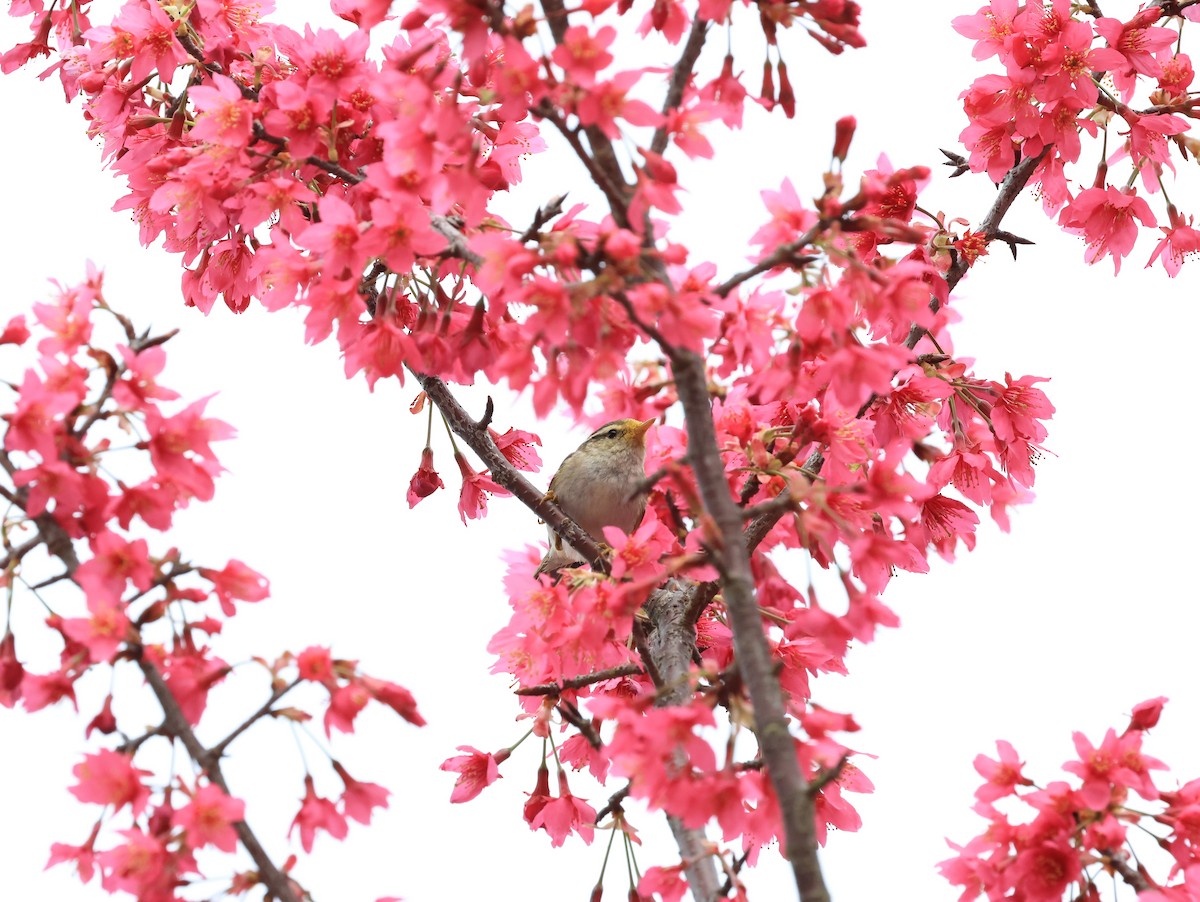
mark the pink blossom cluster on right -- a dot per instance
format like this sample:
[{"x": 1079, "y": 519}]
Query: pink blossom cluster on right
[
  {"x": 1067, "y": 74},
  {"x": 1078, "y": 826}
]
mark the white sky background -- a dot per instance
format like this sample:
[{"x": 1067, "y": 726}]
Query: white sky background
[{"x": 1085, "y": 609}]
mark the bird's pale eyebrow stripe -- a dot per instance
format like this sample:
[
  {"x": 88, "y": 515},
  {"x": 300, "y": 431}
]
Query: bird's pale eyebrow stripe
[{"x": 604, "y": 428}]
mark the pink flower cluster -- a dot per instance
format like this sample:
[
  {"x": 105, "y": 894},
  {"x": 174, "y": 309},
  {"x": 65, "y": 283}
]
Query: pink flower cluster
[
  {"x": 68, "y": 480},
  {"x": 1075, "y": 826},
  {"x": 1057, "y": 57},
  {"x": 303, "y": 170}
]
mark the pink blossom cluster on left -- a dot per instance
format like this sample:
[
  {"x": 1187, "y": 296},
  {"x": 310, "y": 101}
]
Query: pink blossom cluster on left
[{"x": 73, "y": 486}]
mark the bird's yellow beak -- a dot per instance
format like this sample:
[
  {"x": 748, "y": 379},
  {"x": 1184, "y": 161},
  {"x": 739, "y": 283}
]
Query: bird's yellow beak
[{"x": 640, "y": 430}]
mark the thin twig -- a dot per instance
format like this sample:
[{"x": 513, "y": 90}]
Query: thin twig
[
  {"x": 681, "y": 74},
  {"x": 1119, "y": 863},
  {"x": 783, "y": 500},
  {"x": 175, "y": 724},
  {"x": 701, "y": 599},
  {"x": 1010, "y": 187},
  {"x": 350, "y": 178},
  {"x": 648, "y": 659},
  {"x": 727, "y": 887},
  {"x": 506, "y": 475},
  {"x": 17, "y": 553},
  {"x": 575, "y": 718},
  {"x": 615, "y": 190},
  {"x": 587, "y": 679},
  {"x": 614, "y": 802},
  {"x": 449, "y": 229},
  {"x": 543, "y": 215},
  {"x": 215, "y": 752},
  {"x": 827, "y": 776},
  {"x": 649, "y": 330},
  {"x": 785, "y": 253}
]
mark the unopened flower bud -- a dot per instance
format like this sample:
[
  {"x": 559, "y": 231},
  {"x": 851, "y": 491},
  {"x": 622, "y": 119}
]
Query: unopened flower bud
[
  {"x": 767, "y": 94},
  {"x": 425, "y": 481},
  {"x": 843, "y": 134},
  {"x": 787, "y": 97}
]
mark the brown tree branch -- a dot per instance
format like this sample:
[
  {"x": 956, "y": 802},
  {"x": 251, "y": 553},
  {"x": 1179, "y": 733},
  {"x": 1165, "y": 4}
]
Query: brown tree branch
[
  {"x": 671, "y": 647},
  {"x": 614, "y": 802},
  {"x": 602, "y": 155},
  {"x": 749, "y": 640},
  {"x": 785, "y": 253},
  {"x": 506, "y": 475},
  {"x": 215, "y": 752},
  {"x": 280, "y": 886},
  {"x": 1174, "y": 7},
  {"x": 1119, "y": 862},
  {"x": 579, "y": 682},
  {"x": 681, "y": 74},
  {"x": 19, "y": 551},
  {"x": 616, "y": 189},
  {"x": 450, "y": 230},
  {"x": 1010, "y": 187},
  {"x": 575, "y": 718}
]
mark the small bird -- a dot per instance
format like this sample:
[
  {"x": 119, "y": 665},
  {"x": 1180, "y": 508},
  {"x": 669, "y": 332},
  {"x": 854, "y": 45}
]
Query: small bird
[{"x": 598, "y": 485}]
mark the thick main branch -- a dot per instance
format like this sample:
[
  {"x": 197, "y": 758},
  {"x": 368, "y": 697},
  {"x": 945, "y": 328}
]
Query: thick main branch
[
  {"x": 674, "y": 634},
  {"x": 749, "y": 640}
]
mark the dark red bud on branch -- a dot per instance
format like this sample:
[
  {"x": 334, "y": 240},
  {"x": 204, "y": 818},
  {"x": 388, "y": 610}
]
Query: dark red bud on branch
[
  {"x": 425, "y": 481},
  {"x": 659, "y": 169},
  {"x": 1146, "y": 714},
  {"x": 768, "y": 85},
  {"x": 414, "y": 19},
  {"x": 659, "y": 13},
  {"x": 843, "y": 134},
  {"x": 105, "y": 722},
  {"x": 787, "y": 97},
  {"x": 11, "y": 671},
  {"x": 491, "y": 176}
]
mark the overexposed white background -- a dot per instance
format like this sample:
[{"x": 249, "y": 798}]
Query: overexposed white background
[{"x": 1088, "y": 607}]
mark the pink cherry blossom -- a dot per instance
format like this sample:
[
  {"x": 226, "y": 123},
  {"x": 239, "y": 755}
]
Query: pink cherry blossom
[
  {"x": 1180, "y": 241},
  {"x": 317, "y": 814},
  {"x": 1105, "y": 218},
  {"x": 227, "y": 119},
  {"x": 109, "y": 778},
  {"x": 360, "y": 799},
  {"x": 565, "y": 814},
  {"x": 1003, "y": 776},
  {"x": 236, "y": 581},
  {"x": 425, "y": 481},
  {"x": 476, "y": 486},
  {"x": 476, "y": 770},
  {"x": 208, "y": 818},
  {"x": 582, "y": 55}
]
